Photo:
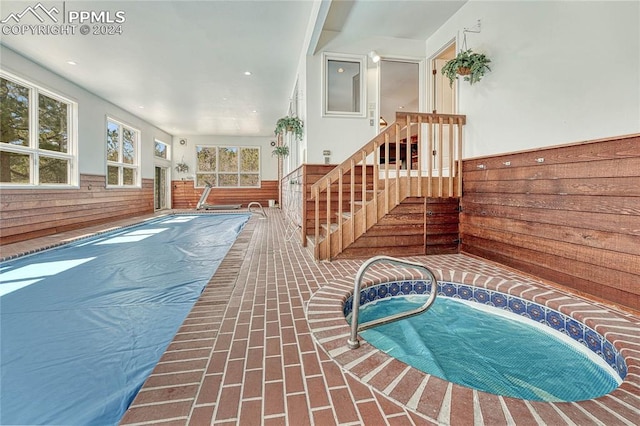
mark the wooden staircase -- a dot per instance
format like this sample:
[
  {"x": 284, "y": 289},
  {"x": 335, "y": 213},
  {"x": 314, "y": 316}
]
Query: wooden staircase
[{"x": 416, "y": 156}]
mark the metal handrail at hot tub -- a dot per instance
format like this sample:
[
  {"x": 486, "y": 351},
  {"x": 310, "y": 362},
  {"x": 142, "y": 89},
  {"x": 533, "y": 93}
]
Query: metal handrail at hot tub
[{"x": 353, "y": 341}]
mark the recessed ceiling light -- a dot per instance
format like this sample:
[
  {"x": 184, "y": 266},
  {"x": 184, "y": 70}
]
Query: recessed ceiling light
[
  {"x": 254, "y": 111},
  {"x": 340, "y": 69},
  {"x": 72, "y": 62},
  {"x": 141, "y": 106},
  {"x": 247, "y": 73}
]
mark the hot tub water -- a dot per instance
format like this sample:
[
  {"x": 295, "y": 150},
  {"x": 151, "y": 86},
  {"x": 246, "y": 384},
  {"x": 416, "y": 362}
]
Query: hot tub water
[{"x": 489, "y": 349}]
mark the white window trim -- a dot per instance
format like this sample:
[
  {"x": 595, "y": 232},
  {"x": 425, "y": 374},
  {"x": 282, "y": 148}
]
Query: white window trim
[
  {"x": 239, "y": 147},
  {"x": 136, "y": 162},
  {"x": 72, "y": 135},
  {"x": 362, "y": 60},
  {"x": 160, "y": 159}
]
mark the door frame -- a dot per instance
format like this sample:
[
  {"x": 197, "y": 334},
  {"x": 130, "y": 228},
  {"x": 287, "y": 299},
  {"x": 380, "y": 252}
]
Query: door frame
[
  {"x": 421, "y": 82},
  {"x": 432, "y": 77},
  {"x": 167, "y": 185},
  {"x": 447, "y": 51}
]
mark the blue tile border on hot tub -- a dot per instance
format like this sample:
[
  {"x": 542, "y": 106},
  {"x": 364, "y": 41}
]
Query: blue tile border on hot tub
[{"x": 526, "y": 308}]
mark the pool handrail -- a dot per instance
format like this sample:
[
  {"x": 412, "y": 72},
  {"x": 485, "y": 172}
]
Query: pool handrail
[
  {"x": 203, "y": 198},
  {"x": 253, "y": 204},
  {"x": 353, "y": 341}
]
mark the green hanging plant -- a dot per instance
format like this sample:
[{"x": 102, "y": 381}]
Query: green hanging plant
[
  {"x": 281, "y": 151},
  {"x": 182, "y": 167},
  {"x": 290, "y": 124},
  {"x": 471, "y": 65}
]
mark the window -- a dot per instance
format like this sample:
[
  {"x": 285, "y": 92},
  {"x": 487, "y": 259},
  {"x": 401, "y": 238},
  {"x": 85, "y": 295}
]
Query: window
[
  {"x": 228, "y": 166},
  {"x": 161, "y": 150},
  {"x": 37, "y": 135},
  {"x": 344, "y": 85},
  {"x": 123, "y": 145}
]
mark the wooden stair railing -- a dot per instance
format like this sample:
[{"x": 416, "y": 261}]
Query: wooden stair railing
[{"x": 416, "y": 156}]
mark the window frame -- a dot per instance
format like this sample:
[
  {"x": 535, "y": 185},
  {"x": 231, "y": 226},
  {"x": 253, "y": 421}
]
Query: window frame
[
  {"x": 359, "y": 59},
  {"x": 167, "y": 148},
  {"x": 33, "y": 150},
  {"x": 120, "y": 164},
  {"x": 217, "y": 173}
]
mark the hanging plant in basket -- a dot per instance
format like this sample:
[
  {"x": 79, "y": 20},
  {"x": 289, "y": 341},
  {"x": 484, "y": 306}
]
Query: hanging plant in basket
[
  {"x": 281, "y": 151},
  {"x": 290, "y": 124},
  {"x": 472, "y": 66},
  {"x": 182, "y": 167}
]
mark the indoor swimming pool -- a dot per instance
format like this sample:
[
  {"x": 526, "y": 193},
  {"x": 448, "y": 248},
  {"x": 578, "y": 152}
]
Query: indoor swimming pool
[{"x": 84, "y": 324}]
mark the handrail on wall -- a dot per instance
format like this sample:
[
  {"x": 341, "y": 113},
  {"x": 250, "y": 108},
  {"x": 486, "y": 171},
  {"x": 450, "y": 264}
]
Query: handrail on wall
[{"x": 353, "y": 341}]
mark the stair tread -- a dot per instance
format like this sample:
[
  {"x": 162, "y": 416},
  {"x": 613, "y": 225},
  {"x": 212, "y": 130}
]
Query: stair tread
[
  {"x": 334, "y": 226},
  {"x": 311, "y": 239}
]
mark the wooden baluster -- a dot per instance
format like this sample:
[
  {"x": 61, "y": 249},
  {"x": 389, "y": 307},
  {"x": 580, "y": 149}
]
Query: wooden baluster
[
  {"x": 340, "y": 218},
  {"x": 376, "y": 176},
  {"x": 430, "y": 156},
  {"x": 364, "y": 192},
  {"x": 440, "y": 156},
  {"x": 408, "y": 154},
  {"x": 397, "y": 164},
  {"x": 386, "y": 172},
  {"x": 316, "y": 248},
  {"x": 451, "y": 157},
  {"x": 459, "y": 159},
  {"x": 329, "y": 253},
  {"x": 419, "y": 148},
  {"x": 352, "y": 200}
]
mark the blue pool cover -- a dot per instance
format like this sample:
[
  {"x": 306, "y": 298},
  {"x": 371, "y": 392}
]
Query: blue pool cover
[{"x": 83, "y": 325}]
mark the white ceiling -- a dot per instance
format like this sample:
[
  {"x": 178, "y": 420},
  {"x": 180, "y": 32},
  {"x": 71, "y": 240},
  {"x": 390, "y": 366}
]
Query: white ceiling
[
  {"x": 406, "y": 19},
  {"x": 183, "y": 61}
]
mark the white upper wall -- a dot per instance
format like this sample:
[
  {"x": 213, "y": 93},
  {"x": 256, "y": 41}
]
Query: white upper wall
[
  {"x": 92, "y": 115},
  {"x": 340, "y": 135},
  {"x": 343, "y": 135},
  {"x": 562, "y": 72}
]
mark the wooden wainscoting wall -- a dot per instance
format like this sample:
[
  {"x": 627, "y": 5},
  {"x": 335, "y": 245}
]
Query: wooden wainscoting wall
[
  {"x": 442, "y": 217},
  {"x": 185, "y": 196},
  {"x": 568, "y": 214},
  {"x": 31, "y": 213}
]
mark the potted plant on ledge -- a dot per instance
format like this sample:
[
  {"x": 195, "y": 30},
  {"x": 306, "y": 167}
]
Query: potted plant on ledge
[
  {"x": 469, "y": 64},
  {"x": 290, "y": 124}
]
